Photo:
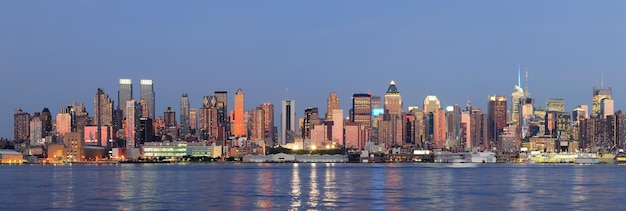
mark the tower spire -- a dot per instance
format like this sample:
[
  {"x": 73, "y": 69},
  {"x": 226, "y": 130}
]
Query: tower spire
[
  {"x": 602, "y": 80},
  {"x": 526, "y": 94},
  {"x": 519, "y": 76},
  {"x": 286, "y": 93}
]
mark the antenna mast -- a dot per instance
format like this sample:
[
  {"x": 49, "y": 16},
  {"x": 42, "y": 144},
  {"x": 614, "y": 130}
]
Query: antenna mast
[{"x": 526, "y": 94}]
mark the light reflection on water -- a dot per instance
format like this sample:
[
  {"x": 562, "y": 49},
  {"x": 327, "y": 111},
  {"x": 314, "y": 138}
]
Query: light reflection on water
[{"x": 319, "y": 186}]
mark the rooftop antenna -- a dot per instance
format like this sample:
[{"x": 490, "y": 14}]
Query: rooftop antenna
[
  {"x": 519, "y": 76},
  {"x": 286, "y": 93},
  {"x": 526, "y": 94},
  {"x": 602, "y": 80}
]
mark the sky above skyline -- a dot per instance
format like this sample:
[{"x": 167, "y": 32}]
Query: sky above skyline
[{"x": 53, "y": 53}]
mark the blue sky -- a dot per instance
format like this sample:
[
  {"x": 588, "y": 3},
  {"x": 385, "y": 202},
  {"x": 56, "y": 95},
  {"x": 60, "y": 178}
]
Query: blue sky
[{"x": 55, "y": 52}]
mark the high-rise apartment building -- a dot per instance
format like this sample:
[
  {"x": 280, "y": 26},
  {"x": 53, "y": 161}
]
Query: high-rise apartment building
[
  {"x": 145, "y": 112},
  {"x": 257, "y": 124},
  {"x": 607, "y": 107},
  {"x": 209, "y": 115},
  {"x": 332, "y": 104},
  {"x": 147, "y": 93},
  {"x": 497, "y": 118},
  {"x": 124, "y": 94},
  {"x": 184, "y": 114},
  {"x": 21, "y": 126},
  {"x": 288, "y": 129},
  {"x": 63, "y": 122},
  {"x": 453, "y": 127},
  {"x": 102, "y": 115},
  {"x": 268, "y": 111},
  {"x": 239, "y": 128},
  {"x": 131, "y": 123},
  {"x": 193, "y": 119},
  {"x": 36, "y": 130}
]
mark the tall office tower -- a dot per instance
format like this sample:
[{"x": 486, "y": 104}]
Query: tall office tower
[
  {"x": 516, "y": 96},
  {"x": 393, "y": 100},
  {"x": 288, "y": 129},
  {"x": 554, "y": 104},
  {"x": 145, "y": 111},
  {"x": 102, "y": 115},
  {"x": 453, "y": 126},
  {"x": 419, "y": 135},
  {"x": 145, "y": 131},
  {"x": 361, "y": 109},
  {"x": 332, "y": 104},
  {"x": 147, "y": 92},
  {"x": 184, "y": 114},
  {"x": 124, "y": 93},
  {"x": 598, "y": 96},
  {"x": 337, "y": 129},
  {"x": 311, "y": 117},
  {"x": 193, "y": 119},
  {"x": 497, "y": 119},
  {"x": 222, "y": 110},
  {"x": 268, "y": 111},
  {"x": 35, "y": 130},
  {"x": 239, "y": 128},
  {"x": 478, "y": 129},
  {"x": 606, "y": 107},
  {"x": 257, "y": 124},
  {"x": 375, "y": 102},
  {"x": 431, "y": 108},
  {"x": 21, "y": 126},
  {"x": 131, "y": 123},
  {"x": 466, "y": 139},
  {"x": 63, "y": 122},
  {"x": 209, "y": 114},
  {"x": 393, "y": 116},
  {"x": 46, "y": 121},
  {"x": 170, "y": 117},
  {"x": 80, "y": 117}
]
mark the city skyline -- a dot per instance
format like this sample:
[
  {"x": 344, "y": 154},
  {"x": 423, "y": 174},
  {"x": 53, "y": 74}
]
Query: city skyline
[{"x": 427, "y": 48}]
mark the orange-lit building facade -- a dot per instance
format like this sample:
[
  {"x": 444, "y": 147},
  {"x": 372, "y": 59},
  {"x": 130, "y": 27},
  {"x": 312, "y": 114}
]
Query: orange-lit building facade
[{"x": 239, "y": 128}]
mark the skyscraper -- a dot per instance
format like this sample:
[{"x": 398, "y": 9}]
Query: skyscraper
[
  {"x": 332, "y": 104},
  {"x": 145, "y": 112},
  {"x": 46, "y": 121},
  {"x": 257, "y": 124},
  {"x": 431, "y": 109},
  {"x": 497, "y": 118},
  {"x": 288, "y": 129},
  {"x": 598, "y": 96},
  {"x": 311, "y": 118},
  {"x": 361, "y": 109},
  {"x": 268, "y": 111},
  {"x": 240, "y": 128},
  {"x": 554, "y": 104},
  {"x": 193, "y": 119},
  {"x": 147, "y": 93},
  {"x": 124, "y": 94},
  {"x": 36, "y": 130},
  {"x": 391, "y": 127},
  {"x": 184, "y": 114},
  {"x": 222, "y": 110},
  {"x": 170, "y": 117},
  {"x": 102, "y": 114},
  {"x": 63, "y": 122},
  {"x": 131, "y": 123},
  {"x": 337, "y": 128},
  {"x": 209, "y": 129}
]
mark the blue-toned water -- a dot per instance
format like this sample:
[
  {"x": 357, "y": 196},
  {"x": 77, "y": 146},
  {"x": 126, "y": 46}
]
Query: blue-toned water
[{"x": 312, "y": 186}]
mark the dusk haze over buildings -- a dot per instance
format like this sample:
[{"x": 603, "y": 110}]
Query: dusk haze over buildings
[{"x": 292, "y": 98}]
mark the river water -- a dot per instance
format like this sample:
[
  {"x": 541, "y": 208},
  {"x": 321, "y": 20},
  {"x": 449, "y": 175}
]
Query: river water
[{"x": 298, "y": 186}]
